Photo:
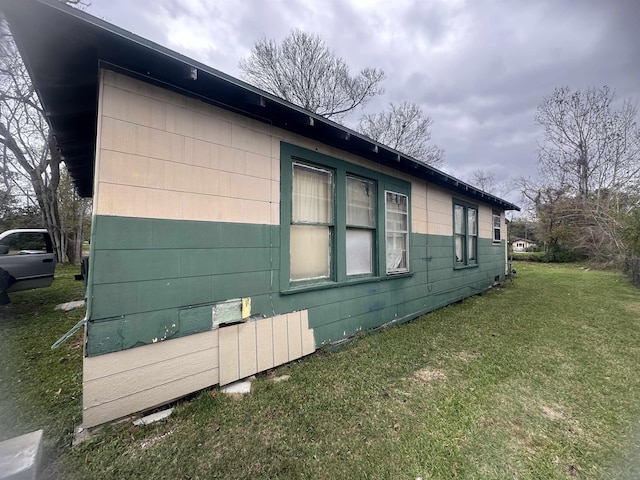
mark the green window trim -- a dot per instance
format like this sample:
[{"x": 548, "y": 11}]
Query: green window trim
[
  {"x": 496, "y": 221},
  {"x": 342, "y": 171},
  {"x": 465, "y": 234}
]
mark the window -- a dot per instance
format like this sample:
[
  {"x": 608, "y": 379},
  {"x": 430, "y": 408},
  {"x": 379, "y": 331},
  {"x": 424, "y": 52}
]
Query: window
[
  {"x": 397, "y": 212},
  {"x": 361, "y": 225},
  {"x": 465, "y": 233},
  {"x": 27, "y": 242},
  {"x": 311, "y": 222},
  {"x": 343, "y": 222},
  {"x": 496, "y": 226}
]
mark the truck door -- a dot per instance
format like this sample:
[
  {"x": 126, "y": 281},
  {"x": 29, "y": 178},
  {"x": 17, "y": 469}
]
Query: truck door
[{"x": 27, "y": 255}]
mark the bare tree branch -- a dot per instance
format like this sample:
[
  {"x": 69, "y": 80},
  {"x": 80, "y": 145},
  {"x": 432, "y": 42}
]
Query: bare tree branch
[
  {"x": 404, "y": 128},
  {"x": 303, "y": 71}
]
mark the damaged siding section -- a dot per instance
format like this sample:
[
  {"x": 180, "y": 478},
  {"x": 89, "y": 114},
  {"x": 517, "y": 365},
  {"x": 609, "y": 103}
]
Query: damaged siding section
[{"x": 121, "y": 383}]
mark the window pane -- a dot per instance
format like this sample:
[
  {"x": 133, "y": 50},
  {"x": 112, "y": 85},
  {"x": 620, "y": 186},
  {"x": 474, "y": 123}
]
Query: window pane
[
  {"x": 458, "y": 219},
  {"x": 360, "y": 202},
  {"x": 396, "y": 202},
  {"x": 312, "y": 195},
  {"x": 472, "y": 221},
  {"x": 397, "y": 216},
  {"x": 396, "y": 252},
  {"x": 310, "y": 257},
  {"x": 25, "y": 242},
  {"x": 496, "y": 221},
  {"x": 397, "y": 223},
  {"x": 359, "y": 251},
  {"x": 472, "y": 248},
  {"x": 459, "y": 248}
]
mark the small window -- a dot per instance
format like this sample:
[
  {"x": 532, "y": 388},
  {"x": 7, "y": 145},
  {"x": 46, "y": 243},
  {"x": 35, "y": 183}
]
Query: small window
[
  {"x": 496, "y": 227},
  {"x": 465, "y": 234},
  {"x": 311, "y": 222},
  {"x": 397, "y": 223}
]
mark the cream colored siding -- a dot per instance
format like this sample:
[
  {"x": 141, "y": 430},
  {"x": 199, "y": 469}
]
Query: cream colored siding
[
  {"x": 165, "y": 156},
  {"x": 162, "y": 155},
  {"x": 121, "y": 383},
  {"x": 210, "y": 164},
  {"x": 485, "y": 222},
  {"x": 440, "y": 211},
  {"x": 419, "y": 206}
]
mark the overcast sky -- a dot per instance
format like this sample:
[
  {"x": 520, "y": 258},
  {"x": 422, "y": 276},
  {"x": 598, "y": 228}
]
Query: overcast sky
[{"x": 479, "y": 68}]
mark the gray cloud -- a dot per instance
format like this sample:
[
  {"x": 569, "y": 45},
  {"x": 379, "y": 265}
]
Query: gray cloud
[{"x": 479, "y": 69}]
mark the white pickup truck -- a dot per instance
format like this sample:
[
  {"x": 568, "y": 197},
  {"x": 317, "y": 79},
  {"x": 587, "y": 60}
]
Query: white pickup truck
[{"x": 26, "y": 260}]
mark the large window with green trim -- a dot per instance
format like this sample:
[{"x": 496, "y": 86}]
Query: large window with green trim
[
  {"x": 465, "y": 234},
  {"x": 312, "y": 222},
  {"x": 340, "y": 222}
]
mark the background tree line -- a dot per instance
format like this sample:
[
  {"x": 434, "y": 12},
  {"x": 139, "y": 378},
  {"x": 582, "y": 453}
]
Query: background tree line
[{"x": 586, "y": 199}]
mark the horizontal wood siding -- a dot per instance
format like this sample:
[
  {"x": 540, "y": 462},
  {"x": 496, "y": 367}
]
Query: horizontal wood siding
[
  {"x": 121, "y": 383},
  {"x": 127, "y": 313},
  {"x": 144, "y": 272}
]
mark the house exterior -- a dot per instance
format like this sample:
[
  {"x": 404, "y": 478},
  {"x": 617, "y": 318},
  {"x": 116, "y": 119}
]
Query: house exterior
[
  {"x": 232, "y": 231},
  {"x": 522, "y": 244}
]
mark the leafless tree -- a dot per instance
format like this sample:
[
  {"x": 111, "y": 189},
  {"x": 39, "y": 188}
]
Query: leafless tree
[
  {"x": 589, "y": 146},
  {"x": 31, "y": 163},
  {"x": 304, "y": 71},
  {"x": 405, "y": 128},
  {"x": 589, "y": 165},
  {"x": 483, "y": 179}
]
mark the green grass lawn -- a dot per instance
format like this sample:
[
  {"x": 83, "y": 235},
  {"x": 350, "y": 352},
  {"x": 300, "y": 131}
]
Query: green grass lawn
[{"x": 536, "y": 380}]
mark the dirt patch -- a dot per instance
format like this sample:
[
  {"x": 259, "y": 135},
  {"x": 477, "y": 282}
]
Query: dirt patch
[
  {"x": 551, "y": 413},
  {"x": 466, "y": 356},
  {"x": 150, "y": 442},
  {"x": 429, "y": 375},
  {"x": 633, "y": 307}
]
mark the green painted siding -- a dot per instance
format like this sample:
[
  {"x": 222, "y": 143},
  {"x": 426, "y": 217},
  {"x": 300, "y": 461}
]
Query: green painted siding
[{"x": 145, "y": 273}]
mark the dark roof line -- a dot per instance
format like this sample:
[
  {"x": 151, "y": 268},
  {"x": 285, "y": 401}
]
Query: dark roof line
[{"x": 64, "y": 47}]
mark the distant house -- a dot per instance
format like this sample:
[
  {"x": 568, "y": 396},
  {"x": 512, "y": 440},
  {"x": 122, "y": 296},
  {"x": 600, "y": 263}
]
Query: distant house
[
  {"x": 233, "y": 231},
  {"x": 522, "y": 244}
]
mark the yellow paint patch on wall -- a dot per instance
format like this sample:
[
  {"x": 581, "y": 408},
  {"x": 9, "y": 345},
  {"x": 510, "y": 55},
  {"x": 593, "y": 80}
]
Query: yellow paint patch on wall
[{"x": 246, "y": 307}]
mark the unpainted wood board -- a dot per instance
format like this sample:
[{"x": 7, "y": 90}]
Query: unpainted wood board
[
  {"x": 118, "y": 362},
  {"x": 308, "y": 340},
  {"x": 247, "y": 351},
  {"x": 148, "y": 399},
  {"x": 294, "y": 335},
  {"x": 264, "y": 344},
  {"x": 130, "y": 382},
  {"x": 228, "y": 351},
  {"x": 280, "y": 340}
]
